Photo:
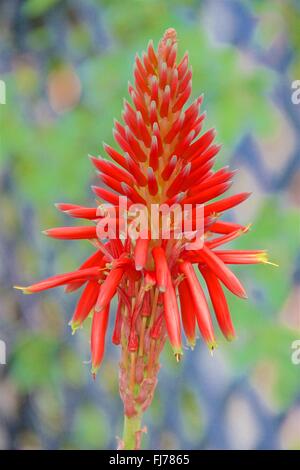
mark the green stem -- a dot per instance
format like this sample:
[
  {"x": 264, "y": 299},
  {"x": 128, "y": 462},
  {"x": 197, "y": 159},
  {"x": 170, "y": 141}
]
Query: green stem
[{"x": 131, "y": 427}]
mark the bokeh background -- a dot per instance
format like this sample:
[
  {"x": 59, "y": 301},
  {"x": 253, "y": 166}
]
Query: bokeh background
[{"x": 66, "y": 65}]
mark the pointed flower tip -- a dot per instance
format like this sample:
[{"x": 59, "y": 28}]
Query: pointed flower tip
[
  {"x": 230, "y": 337},
  {"x": 25, "y": 290},
  {"x": 170, "y": 33},
  {"x": 178, "y": 355},
  {"x": 212, "y": 346},
  {"x": 191, "y": 342},
  {"x": 92, "y": 158},
  {"x": 263, "y": 258},
  {"x": 94, "y": 371},
  {"x": 272, "y": 264},
  {"x": 74, "y": 326}
]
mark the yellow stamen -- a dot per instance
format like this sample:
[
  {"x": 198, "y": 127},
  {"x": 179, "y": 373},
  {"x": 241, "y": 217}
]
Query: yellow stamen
[
  {"x": 212, "y": 346},
  {"x": 24, "y": 289},
  {"x": 263, "y": 258},
  {"x": 178, "y": 357}
]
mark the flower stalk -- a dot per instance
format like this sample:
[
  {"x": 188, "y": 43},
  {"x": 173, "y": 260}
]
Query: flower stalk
[{"x": 132, "y": 432}]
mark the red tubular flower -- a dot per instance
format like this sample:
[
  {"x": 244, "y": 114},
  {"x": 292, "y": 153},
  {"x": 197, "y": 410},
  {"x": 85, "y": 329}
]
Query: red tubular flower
[
  {"x": 187, "y": 312},
  {"x": 163, "y": 158},
  {"x": 222, "y": 272},
  {"x": 161, "y": 268},
  {"x": 219, "y": 302},
  {"x": 85, "y": 304},
  {"x": 141, "y": 253},
  {"x": 98, "y": 334},
  {"x": 172, "y": 317},
  {"x": 109, "y": 288},
  {"x": 72, "y": 233},
  {"x": 200, "y": 303},
  {"x": 62, "y": 279}
]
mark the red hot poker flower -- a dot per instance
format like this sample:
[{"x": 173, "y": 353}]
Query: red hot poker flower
[{"x": 163, "y": 158}]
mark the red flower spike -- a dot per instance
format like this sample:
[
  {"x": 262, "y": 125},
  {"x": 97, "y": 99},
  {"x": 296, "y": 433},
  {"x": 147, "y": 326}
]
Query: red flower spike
[{"x": 164, "y": 157}]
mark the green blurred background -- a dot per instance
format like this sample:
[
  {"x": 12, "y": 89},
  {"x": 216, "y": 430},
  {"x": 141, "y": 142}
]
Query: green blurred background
[{"x": 66, "y": 65}]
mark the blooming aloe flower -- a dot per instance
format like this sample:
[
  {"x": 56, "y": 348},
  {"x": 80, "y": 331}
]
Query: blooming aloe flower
[{"x": 163, "y": 158}]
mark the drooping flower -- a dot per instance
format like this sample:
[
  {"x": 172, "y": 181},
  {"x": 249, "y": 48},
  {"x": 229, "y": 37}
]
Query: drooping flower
[{"x": 163, "y": 158}]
